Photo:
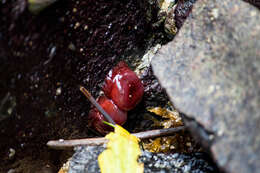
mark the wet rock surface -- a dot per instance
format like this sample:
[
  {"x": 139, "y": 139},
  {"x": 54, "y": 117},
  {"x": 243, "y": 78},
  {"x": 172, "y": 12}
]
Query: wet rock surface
[
  {"x": 182, "y": 11},
  {"x": 211, "y": 72},
  {"x": 81, "y": 43},
  {"x": 85, "y": 160},
  {"x": 154, "y": 94},
  {"x": 45, "y": 57}
]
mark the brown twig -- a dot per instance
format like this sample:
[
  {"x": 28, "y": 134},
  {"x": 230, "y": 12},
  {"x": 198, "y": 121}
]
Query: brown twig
[{"x": 69, "y": 144}]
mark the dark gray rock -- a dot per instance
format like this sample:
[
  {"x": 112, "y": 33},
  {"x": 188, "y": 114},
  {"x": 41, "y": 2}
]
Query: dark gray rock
[
  {"x": 85, "y": 160},
  {"x": 177, "y": 163},
  {"x": 211, "y": 72}
]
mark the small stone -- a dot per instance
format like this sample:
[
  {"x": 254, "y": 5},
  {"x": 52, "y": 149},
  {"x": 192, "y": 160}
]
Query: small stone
[
  {"x": 11, "y": 171},
  {"x": 58, "y": 91},
  {"x": 77, "y": 24},
  {"x": 11, "y": 153}
]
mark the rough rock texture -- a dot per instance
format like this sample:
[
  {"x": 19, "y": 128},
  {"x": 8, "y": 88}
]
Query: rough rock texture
[
  {"x": 85, "y": 160},
  {"x": 177, "y": 163},
  {"x": 182, "y": 11},
  {"x": 211, "y": 72}
]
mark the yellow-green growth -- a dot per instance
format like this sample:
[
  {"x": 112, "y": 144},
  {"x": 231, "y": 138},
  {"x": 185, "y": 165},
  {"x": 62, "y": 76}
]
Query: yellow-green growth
[{"x": 36, "y": 6}]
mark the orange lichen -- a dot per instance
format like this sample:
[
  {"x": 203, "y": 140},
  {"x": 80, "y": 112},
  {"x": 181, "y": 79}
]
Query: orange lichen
[
  {"x": 164, "y": 144},
  {"x": 179, "y": 142},
  {"x": 173, "y": 118}
]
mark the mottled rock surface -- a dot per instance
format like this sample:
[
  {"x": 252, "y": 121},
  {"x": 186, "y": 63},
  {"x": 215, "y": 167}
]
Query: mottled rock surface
[
  {"x": 211, "y": 72},
  {"x": 85, "y": 160}
]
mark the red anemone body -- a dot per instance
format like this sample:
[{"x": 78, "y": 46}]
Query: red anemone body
[
  {"x": 96, "y": 118},
  {"x": 124, "y": 87}
]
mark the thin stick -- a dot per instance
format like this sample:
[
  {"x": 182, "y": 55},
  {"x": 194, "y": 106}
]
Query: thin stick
[
  {"x": 159, "y": 132},
  {"x": 69, "y": 144},
  {"x": 95, "y": 103}
]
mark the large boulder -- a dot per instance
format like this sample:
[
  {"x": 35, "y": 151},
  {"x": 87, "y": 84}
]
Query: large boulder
[{"x": 211, "y": 72}]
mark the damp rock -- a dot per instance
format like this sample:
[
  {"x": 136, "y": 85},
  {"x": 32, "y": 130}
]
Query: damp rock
[
  {"x": 45, "y": 57},
  {"x": 170, "y": 23},
  {"x": 85, "y": 160},
  {"x": 211, "y": 73},
  {"x": 154, "y": 95},
  {"x": 182, "y": 11},
  {"x": 172, "y": 15},
  {"x": 166, "y": 13},
  {"x": 177, "y": 163}
]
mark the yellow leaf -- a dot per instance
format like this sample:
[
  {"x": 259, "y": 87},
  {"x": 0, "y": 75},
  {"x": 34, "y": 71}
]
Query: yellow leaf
[{"x": 121, "y": 154}]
